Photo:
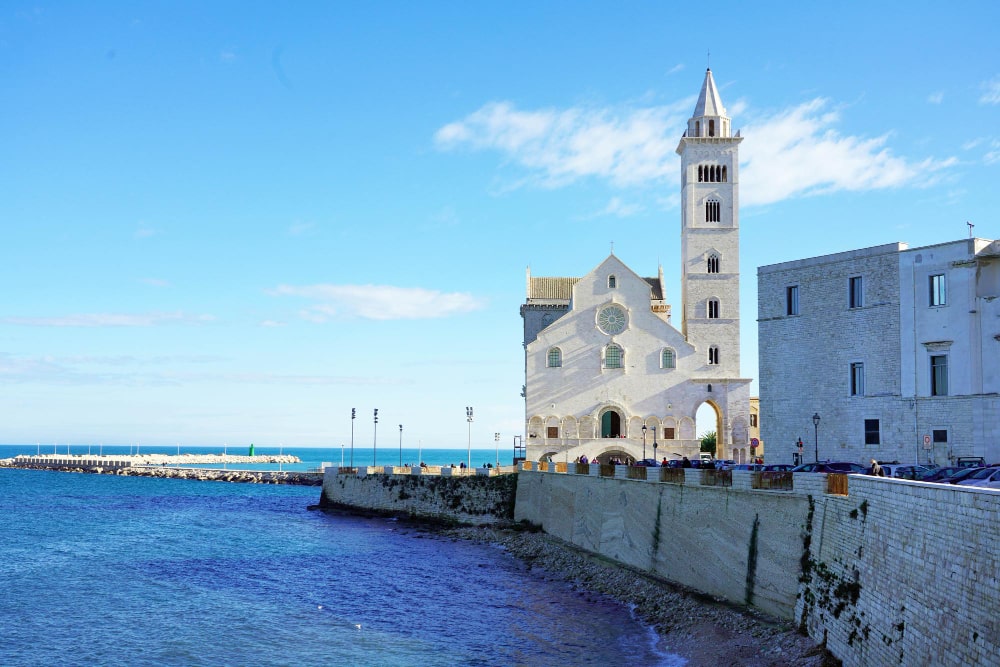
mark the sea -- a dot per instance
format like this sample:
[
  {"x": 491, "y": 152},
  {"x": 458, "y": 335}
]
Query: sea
[{"x": 110, "y": 570}]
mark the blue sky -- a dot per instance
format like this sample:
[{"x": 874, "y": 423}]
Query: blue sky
[{"x": 232, "y": 222}]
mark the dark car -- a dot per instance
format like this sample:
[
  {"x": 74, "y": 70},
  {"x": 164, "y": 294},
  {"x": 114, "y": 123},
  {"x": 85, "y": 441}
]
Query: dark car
[
  {"x": 843, "y": 467},
  {"x": 943, "y": 474},
  {"x": 962, "y": 474},
  {"x": 778, "y": 467},
  {"x": 647, "y": 463}
]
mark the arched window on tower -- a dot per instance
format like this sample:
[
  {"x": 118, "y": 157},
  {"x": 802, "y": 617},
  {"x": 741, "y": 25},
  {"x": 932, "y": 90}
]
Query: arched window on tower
[
  {"x": 713, "y": 211},
  {"x": 713, "y": 309},
  {"x": 612, "y": 281},
  {"x": 668, "y": 359},
  {"x": 718, "y": 174},
  {"x": 711, "y": 128},
  {"x": 713, "y": 263},
  {"x": 555, "y": 358},
  {"x": 701, "y": 174},
  {"x": 725, "y": 174},
  {"x": 713, "y": 356},
  {"x": 697, "y": 128}
]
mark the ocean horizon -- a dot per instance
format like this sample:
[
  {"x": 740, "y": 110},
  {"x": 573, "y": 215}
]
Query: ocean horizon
[{"x": 311, "y": 457}]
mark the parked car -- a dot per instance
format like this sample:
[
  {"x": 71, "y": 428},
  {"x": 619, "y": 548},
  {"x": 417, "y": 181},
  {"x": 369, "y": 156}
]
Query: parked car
[
  {"x": 943, "y": 474},
  {"x": 831, "y": 466},
  {"x": 962, "y": 474},
  {"x": 743, "y": 466},
  {"x": 778, "y": 467},
  {"x": 970, "y": 461},
  {"x": 647, "y": 463},
  {"x": 905, "y": 470},
  {"x": 984, "y": 477}
]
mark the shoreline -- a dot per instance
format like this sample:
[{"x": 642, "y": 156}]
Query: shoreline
[{"x": 698, "y": 628}]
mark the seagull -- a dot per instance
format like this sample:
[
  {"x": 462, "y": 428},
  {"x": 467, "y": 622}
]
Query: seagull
[{"x": 357, "y": 625}]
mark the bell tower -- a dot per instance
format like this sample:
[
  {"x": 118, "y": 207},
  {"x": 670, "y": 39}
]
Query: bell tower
[{"x": 710, "y": 278}]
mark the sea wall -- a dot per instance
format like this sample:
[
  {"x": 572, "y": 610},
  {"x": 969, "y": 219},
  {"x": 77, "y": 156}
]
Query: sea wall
[
  {"x": 475, "y": 498},
  {"x": 882, "y": 571}
]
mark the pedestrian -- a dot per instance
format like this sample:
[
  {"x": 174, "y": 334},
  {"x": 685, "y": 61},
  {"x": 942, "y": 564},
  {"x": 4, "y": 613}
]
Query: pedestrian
[
  {"x": 876, "y": 469},
  {"x": 685, "y": 462}
]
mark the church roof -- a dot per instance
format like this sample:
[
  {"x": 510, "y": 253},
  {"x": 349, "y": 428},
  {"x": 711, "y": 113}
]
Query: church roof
[
  {"x": 709, "y": 102},
  {"x": 561, "y": 289}
]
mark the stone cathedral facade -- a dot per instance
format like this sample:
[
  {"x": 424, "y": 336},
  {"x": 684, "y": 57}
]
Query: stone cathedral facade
[{"x": 607, "y": 374}]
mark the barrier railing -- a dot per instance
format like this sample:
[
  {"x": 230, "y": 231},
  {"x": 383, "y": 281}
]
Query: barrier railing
[
  {"x": 561, "y": 466},
  {"x": 582, "y": 468},
  {"x": 543, "y": 466},
  {"x": 836, "y": 484},
  {"x": 636, "y": 472},
  {"x": 773, "y": 480},
  {"x": 672, "y": 475},
  {"x": 716, "y": 477},
  {"x": 607, "y": 470}
]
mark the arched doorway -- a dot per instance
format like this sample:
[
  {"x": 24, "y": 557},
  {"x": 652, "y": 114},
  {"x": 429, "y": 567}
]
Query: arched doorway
[
  {"x": 611, "y": 425},
  {"x": 708, "y": 418}
]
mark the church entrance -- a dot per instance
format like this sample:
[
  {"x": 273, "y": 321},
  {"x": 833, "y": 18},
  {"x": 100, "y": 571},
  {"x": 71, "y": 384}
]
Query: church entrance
[{"x": 611, "y": 425}]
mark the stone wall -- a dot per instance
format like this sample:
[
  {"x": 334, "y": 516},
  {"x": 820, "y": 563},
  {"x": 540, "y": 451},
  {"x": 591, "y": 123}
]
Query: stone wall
[
  {"x": 894, "y": 572},
  {"x": 476, "y": 499}
]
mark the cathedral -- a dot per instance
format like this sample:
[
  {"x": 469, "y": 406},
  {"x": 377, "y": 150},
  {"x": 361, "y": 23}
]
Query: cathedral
[{"x": 607, "y": 374}]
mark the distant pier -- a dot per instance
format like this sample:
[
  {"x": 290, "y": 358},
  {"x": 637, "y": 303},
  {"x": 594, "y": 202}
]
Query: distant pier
[{"x": 169, "y": 466}]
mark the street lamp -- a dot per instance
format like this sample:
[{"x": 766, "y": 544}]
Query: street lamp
[
  {"x": 400, "y": 445},
  {"x": 375, "y": 438},
  {"x": 644, "y": 442},
  {"x": 799, "y": 444},
  {"x": 816, "y": 434},
  {"x": 496, "y": 440},
  {"x": 655, "y": 444},
  {"x": 468, "y": 418},
  {"x": 354, "y": 413}
]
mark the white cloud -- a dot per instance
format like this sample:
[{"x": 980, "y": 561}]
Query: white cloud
[
  {"x": 378, "y": 302},
  {"x": 156, "y": 282},
  {"x": 628, "y": 147},
  {"x": 227, "y": 56},
  {"x": 108, "y": 320},
  {"x": 992, "y": 156},
  {"x": 798, "y": 152},
  {"x": 620, "y": 209},
  {"x": 991, "y": 94},
  {"x": 936, "y": 98},
  {"x": 794, "y": 152},
  {"x": 676, "y": 68},
  {"x": 301, "y": 228}
]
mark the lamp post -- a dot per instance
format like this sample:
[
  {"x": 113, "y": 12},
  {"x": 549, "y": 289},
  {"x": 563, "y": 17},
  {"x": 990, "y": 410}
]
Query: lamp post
[
  {"x": 496, "y": 440},
  {"x": 799, "y": 444},
  {"x": 468, "y": 418},
  {"x": 655, "y": 444},
  {"x": 644, "y": 442},
  {"x": 375, "y": 438},
  {"x": 816, "y": 434},
  {"x": 354, "y": 413},
  {"x": 400, "y": 445}
]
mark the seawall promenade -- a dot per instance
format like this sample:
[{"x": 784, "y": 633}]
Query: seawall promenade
[{"x": 879, "y": 570}]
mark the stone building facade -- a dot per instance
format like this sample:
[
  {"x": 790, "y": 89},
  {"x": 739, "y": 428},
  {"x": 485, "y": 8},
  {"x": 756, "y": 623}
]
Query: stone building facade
[
  {"x": 897, "y": 350},
  {"x": 606, "y": 372}
]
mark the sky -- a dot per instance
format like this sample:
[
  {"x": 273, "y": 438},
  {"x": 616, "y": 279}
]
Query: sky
[{"x": 233, "y": 222}]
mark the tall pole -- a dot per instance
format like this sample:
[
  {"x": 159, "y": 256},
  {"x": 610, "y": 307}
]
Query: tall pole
[
  {"x": 353, "y": 415},
  {"x": 468, "y": 418},
  {"x": 496, "y": 440},
  {"x": 816, "y": 434},
  {"x": 400, "y": 445},
  {"x": 375, "y": 438},
  {"x": 644, "y": 441}
]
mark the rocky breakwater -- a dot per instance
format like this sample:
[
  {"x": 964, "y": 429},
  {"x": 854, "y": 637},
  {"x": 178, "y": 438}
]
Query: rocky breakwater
[{"x": 161, "y": 465}]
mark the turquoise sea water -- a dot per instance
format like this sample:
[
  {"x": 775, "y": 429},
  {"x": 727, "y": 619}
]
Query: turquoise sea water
[{"x": 108, "y": 570}]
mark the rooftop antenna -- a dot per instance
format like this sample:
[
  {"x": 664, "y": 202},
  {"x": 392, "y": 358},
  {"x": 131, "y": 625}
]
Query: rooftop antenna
[
  {"x": 708, "y": 59},
  {"x": 612, "y": 247},
  {"x": 970, "y": 228}
]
